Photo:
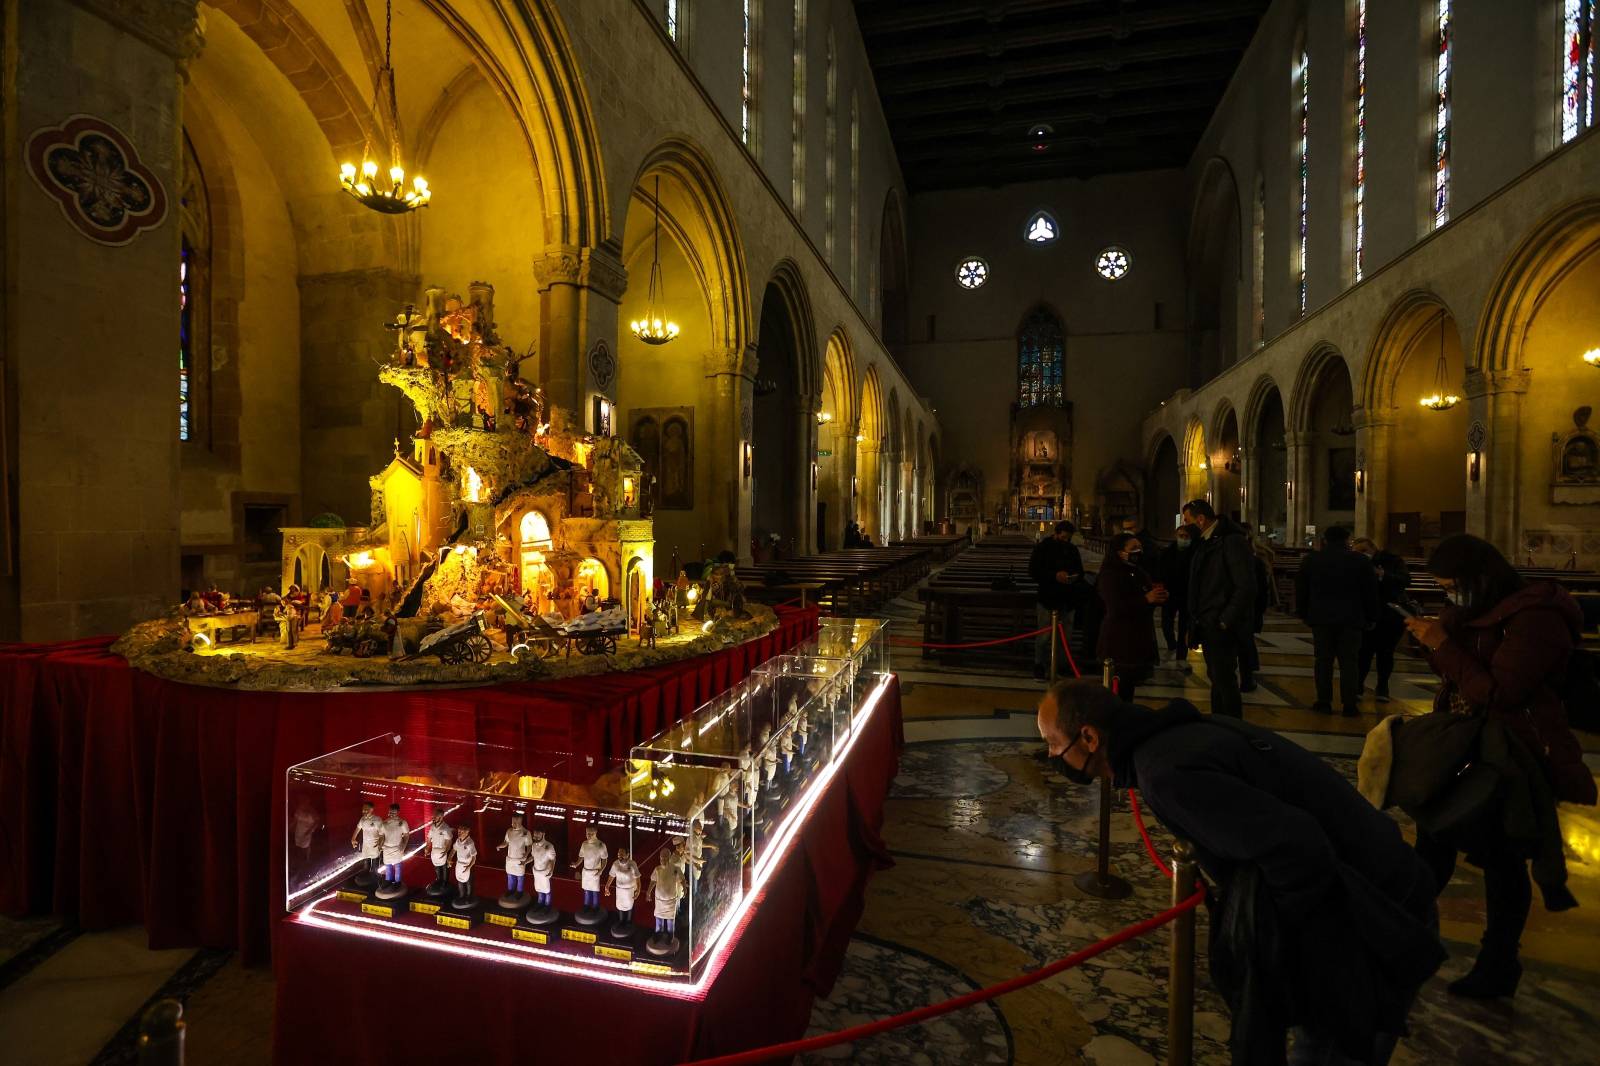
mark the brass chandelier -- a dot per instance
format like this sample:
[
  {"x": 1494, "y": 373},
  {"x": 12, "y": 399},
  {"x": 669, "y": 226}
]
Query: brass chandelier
[
  {"x": 390, "y": 197},
  {"x": 1442, "y": 399},
  {"x": 655, "y": 327}
]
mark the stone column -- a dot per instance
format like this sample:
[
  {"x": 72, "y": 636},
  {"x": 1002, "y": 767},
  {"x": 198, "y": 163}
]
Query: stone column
[
  {"x": 729, "y": 399},
  {"x": 1249, "y": 492},
  {"x": 91, "y": 318},
  {"x": 906, "y": 504},
  {"x": 580, "y": 290},
  {"x": 805, "y": 493},
  {"x": 1301, "y": 445},
  {"x": 1493, "y": 505},
  {"x": 1374, "y": 442}
]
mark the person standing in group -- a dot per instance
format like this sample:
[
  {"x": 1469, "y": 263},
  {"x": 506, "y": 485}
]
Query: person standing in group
[
  {"x": 1147, "y": 544},
  {"x": 1249, "y": 653},
  {"x": 1336, "y": 594},
  {"x": 1128, "y": 630},
  {"x": 1173, "y": 569},
  {"x": 1502, "y": 649},
  {"x": 1323, "y": 922},
  {"x": 1222, "y": 601},
  {"x": 1394, "y": 577},
  {"x": 1055, "y": 567}
]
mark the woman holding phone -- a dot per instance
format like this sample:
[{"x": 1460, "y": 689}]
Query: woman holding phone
[
  {"x": 1501, "y": 647},
  {"x": 1128, "y": 630}
]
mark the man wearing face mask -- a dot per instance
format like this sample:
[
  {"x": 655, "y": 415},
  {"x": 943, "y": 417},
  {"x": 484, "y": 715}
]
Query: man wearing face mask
[
  {"x": 1222, "y": 601},
  {"x": 1323, "y": 919},
  {"x": 1055, "y": 567},
  {"x": 1174, "y": 573}
]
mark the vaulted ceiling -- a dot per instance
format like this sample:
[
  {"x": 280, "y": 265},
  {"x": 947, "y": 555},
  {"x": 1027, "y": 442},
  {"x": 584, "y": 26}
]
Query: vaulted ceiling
[{"x": 988, "y": 92}]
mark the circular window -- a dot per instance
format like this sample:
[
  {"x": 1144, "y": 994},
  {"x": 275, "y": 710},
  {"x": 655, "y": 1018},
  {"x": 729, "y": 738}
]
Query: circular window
[
  {"x": 972, "y": 272},
  {"x": 1113, "y": 263}
]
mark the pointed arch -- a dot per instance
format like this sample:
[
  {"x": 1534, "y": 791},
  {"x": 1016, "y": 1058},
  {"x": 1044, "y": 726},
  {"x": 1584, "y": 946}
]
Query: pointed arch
[
  {"x": 787, "y": 281},
  {"x": 1540, "y": 260},
  {"x": 871, "y": 424},
  {"x": 1219, "y": 417},
  {"x": 1391, "y": 344},
  {"x": 1302, "y": 397},
  {"x": 1216, "y": 262},
  {"x": 1261, "y": 392},
  {"x": 894, "y": 276}
]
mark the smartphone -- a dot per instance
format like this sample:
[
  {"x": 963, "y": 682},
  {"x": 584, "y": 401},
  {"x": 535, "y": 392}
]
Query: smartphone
[{"x": 1405, "y": 610}]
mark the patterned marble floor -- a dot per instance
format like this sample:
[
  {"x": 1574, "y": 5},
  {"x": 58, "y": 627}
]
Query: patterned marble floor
[{"x": 986, "y": 837}]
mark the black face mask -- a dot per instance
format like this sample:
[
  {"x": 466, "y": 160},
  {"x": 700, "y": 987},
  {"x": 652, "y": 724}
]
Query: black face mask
[{"x": 1076, "y": 775}]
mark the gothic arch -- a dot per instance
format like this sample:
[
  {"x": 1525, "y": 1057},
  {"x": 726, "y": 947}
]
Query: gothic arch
[
  {"x": 1219, "y": 418},
  {"x": 1534, "y": 267},
  {"x": 787, "y": 282},
  {"x": 893, "y": 273},
  {"x": 1301, "y": 397},
  {"x": 1264, "y": 389},
  {"x": 1215, "y": 242},
  {"x": 1397, "y": 333}
]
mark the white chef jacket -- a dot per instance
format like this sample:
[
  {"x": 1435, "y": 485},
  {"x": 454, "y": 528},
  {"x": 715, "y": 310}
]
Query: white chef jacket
[
  {"x": 466, "y": 854},
  {"x": 544, "y": 863},
  {"x": 518, "y": 843},
  {"x": 371, "y": 827},
  {"x": 395, "y": 833},
  {"x": 625, "y": 872},
  {"x": 668, "y": 887},
  {"x": 593, "y": 853},
  {"x": 440, "y": 839}
]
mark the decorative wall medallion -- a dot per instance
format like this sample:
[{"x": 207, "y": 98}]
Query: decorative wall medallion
[
  {"x": 602, "y": 366},
  {"x": 746, "y": 419},
  {"x": 93, "y": 171},
  {"x": 1477, "y": 436}
]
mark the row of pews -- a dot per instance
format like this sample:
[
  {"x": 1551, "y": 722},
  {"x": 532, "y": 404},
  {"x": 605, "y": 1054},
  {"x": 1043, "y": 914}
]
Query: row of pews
[{"x": 852, "y": 582}]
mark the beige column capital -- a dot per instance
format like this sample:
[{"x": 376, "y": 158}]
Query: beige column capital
[
  {"x": 1492, "y": 382},
  {"x": 597, "y": 269},
  {"x": 169, "y": 26}
]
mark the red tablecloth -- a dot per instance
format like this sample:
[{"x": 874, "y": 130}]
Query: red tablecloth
[
  {"x": 128, "y": 798},
  {"x": 338, "y": 993}
]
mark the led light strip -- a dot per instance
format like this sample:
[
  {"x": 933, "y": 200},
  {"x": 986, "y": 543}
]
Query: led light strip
[{"x": 519, "y": 955}]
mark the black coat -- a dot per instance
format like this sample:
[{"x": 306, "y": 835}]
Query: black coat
[
  {"x": 1336, "y": 587},
  {"x": 1050, "y": 556},
  {"x": 1394, "y": 580},
  {"x": 1172, "y": 568},
  {"x": 1324, "y": 911},
  {"x": 1128, "y": 631},
  {"x": 1222, "y": 580}
]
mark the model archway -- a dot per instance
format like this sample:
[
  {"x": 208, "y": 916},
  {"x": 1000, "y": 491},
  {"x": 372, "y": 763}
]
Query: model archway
[
  {"x": 783, "y": 423},
  {"x": 686, "y": 405}
]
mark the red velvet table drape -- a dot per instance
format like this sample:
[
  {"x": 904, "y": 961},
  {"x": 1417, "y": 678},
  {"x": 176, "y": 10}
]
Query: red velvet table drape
[
  {"x": 332, "y": 986},
  {"x": 127, "y": 798}
]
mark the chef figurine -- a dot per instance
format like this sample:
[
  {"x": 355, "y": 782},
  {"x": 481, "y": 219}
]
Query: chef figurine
[
  {"x": 786, "y": 749},
  {"x": 750, "y": 774},
  {"x": 769, "y": 758},
  {"x": 394, "y": 835},
  {"x": 306, "y": 823},
  {"x": 592, "y": 855},
  {"x": 368, "y": 830},
  {"x": 517, "y": 845},
  {"x": 466, "y": 854},
  {"x": 694, "y": 848},
  {"x": 666, "y": 886},
  {"x": 802, "y": 731},
  {"x": 727, "y": 806},
  {"x": 440, "y": 838},
  {"x": 625, "y": 877},
  {"x": 542, "y": 857}
]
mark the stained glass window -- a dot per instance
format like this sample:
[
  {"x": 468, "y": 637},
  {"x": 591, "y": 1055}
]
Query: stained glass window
[
  {"x": 747, "y": 70},
  {"x": 185, "y": 340},
  {"x": 1113, "y": 263},
  {"x": 1258, "y": 252},
  {"x": 673, "y": 20},
  {"x": 971, "y": 272},
  {"x": 1041, "y": 229},
  {"x": 1441, "y": 121},
  {"x": 855, "y": 189},
  {"x": 1302, "y": 151},
  {"x": 830, "y": 139},
  {"x": 797, "y": 130},
  {"x": 1361, "y": 138},
  {"x": 1040, "y": 353},
  {"x": 1578, "y": 24}
]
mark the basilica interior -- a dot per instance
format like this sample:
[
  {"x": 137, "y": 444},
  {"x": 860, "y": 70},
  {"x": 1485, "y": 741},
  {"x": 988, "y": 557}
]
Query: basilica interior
[{"x": 525, "y": 347}]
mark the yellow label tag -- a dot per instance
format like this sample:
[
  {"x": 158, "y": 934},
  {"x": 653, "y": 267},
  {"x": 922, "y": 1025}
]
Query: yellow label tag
[
  {"x": 607, "y": 952},
  {"x": 577, "y": 934},
  {"x": 532, "y": 936},
  {"x": 419, "y": 907},
  {"x": 451, "y": 921},
  {"x": 500, "y": 919},
  {"x": 379, "y": 909},
  {"x": 650, "y": 967},
  {"x": 351, "y": 897}
]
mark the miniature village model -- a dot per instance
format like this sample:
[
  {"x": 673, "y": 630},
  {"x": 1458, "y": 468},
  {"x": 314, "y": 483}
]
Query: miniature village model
[{"x": 503, "y": 544}]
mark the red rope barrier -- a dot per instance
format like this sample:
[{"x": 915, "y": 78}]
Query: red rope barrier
[
  {"x": 1061, "y": 629},
  {"x": 903, "y": 643},
  {"x": 1144, "y": 834},
  {"x": 922, "y": 1014}
]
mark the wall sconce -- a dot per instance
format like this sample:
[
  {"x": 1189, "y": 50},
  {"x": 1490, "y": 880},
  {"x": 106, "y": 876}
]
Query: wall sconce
[
  {"x": 855, "y": 486},
  {"x": 823, "y": 418},
  {"x": 1361, "y": 482},
  {"x": 1474, "y": 466},
  {"x": 813, "y": 476},
  {"x": 1592, "y": 357},
  {"x": 602, "y": 417},
  {"x": 1477, "y": 438},
  {"x": 1288, "y": 490},
  {"x": 749, "y": 459}
]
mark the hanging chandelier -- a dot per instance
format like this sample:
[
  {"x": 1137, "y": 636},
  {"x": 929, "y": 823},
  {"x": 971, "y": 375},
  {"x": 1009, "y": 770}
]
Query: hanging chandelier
[
  {"x": 1442, "y": 399},
  {"x": 655, "y": 327},
  {"x": 389, "y": 197},
  {"x": 1592, "y": 357}
]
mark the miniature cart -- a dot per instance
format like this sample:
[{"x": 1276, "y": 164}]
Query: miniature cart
[{"x": 464, "y": 642}]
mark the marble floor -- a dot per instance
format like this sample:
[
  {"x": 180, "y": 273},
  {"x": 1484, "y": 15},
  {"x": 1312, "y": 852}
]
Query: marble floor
[{"x": 986, "y": 837}]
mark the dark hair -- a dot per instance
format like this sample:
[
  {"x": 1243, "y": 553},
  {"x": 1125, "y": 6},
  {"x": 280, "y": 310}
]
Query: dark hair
[
  {"x": 1065, "y": 527},
  {"x": 1187, "y": 529},
  {"x": 1119, "y": 542},
  {"x": 1080, "y": 702},
  {"x": 1477, "y": 567},
  {"x": 1201, "y": 507},
  {"x": 1335, "y": 535}
]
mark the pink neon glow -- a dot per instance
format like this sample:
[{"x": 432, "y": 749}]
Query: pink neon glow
[{"x": 519, "y": 954}]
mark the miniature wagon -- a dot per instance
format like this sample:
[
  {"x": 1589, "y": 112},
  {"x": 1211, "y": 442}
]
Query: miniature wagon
[{"x": 464, "y": 642}]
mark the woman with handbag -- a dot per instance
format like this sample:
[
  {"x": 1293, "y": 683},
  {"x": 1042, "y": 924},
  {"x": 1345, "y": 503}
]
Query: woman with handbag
[{"x": 1501, "y": 648}]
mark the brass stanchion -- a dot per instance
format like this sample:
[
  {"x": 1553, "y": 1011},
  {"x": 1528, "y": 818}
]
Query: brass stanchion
[
  {"x": 161, "y": 1034},
  {"x": 1180, "y": 976},
  {"x": 1055, "y": 634},
  {"x": 1100, "y": 882}
]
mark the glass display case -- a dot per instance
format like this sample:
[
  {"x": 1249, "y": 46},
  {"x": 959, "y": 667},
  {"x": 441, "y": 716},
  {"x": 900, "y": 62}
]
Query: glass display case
[
  {"x": 632, "y": 869},
  {"x": 864, "y": 641}
]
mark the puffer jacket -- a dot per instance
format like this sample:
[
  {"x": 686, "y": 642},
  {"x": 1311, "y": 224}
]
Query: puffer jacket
[{"x": 1509, "y": 661}]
